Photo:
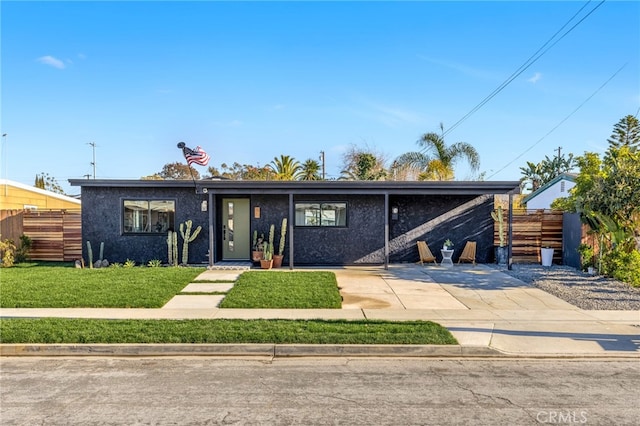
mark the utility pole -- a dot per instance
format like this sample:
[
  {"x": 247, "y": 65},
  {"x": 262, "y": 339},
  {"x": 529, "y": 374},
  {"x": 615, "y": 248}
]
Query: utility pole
[
  {"x": 93, "y": 163},
  {"x": 6, "y": 175},
  {"x": 558, "y": 164},
  {"x": 322, "y": 160}
]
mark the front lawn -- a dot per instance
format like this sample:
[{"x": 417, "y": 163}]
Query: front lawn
[
  {"x": 33, "y": 285},
  {"x": 284, "y": 290},
  {"x": 62, "y": 330}
]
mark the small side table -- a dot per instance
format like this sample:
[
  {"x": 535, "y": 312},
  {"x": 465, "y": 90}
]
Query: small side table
[{"x": 446, "y": 257}]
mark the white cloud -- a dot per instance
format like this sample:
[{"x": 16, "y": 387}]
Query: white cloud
[
  {"x": 536, "y": 77},
  {"x": 50, "y": 60}
]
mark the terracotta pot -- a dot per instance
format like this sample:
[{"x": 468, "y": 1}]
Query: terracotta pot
[
  {"x": 266, "y": 264},
  {"x": 277, "y": 260},
  {"x": 256, "y": 256}
]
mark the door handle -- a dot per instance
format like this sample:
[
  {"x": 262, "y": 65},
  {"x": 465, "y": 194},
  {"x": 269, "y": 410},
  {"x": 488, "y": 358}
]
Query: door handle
[{"x": 224, "y": 232}]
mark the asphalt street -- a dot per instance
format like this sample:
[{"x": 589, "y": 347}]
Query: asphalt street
[{"x": 310, "y": 391}]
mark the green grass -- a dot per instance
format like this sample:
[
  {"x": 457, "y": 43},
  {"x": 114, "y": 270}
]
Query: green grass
[
  {"x": 34, "y": 285},
  {"x": 284, "y": 290},
  {"x": 60, "y": 330}
]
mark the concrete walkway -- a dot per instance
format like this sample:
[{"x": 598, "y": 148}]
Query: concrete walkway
[{"x": 489, "y": 312}]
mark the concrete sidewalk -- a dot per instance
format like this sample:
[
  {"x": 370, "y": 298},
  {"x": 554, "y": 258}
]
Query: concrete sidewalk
[{"x": 489, "y": 312}]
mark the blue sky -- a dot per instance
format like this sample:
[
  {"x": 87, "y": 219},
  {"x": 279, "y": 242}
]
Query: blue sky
[{"x": 249, "y": 81}]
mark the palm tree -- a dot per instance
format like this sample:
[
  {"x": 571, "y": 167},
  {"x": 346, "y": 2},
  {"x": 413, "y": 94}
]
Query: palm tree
[
  {"x": 436, "y": 160},
  {"x": 285, "y": 168},
  {"x": 310, "y": 170}
]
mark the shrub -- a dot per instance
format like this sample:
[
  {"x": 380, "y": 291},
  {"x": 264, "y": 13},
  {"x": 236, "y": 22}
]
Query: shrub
[
  {"x": 155, "y": 263},
  {"x": 129, "y": 263},
  {"x": 22, "y": 254},
  {"x": 7, "y": 253},
  {"x": 623, "y": 265}
]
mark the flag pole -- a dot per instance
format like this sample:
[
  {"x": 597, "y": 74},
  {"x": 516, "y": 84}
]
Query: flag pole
[{"x": 183, "y": 147}]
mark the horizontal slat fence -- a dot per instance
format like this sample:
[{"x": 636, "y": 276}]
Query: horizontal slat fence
[
  {"x": 533, "y": 229},
  {"x": 56, "y": 234}
]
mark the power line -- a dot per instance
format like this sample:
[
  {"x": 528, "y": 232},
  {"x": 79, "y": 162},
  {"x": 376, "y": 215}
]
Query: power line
[
  {"x": 530, "y": 61},
  {"x": 561, "y": 122}
]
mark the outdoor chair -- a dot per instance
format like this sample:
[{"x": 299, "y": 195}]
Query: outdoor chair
[
  {"x": 468, "y": 253},
  {"x": 425, "y": 253}
]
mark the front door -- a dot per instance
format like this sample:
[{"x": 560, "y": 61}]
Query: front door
[{"x": 236, "y": 241}]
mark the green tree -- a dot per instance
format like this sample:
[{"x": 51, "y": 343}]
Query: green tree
[
  {"x": 310, "y": 170},
  {"x": 436, "y": 160},
  {"x": 39, "y": 182},
  {"x": 626, "y": 133},
  {"x": 175, "y": 171},
  {"x": 285, "y": 168},
  {"x": 362, "y": 164},
  {"x": 538, "y": 175},
  {"x": 48, "y": 183}
]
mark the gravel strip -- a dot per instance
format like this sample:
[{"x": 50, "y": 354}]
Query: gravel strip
[{"x": 589, "y": 292}]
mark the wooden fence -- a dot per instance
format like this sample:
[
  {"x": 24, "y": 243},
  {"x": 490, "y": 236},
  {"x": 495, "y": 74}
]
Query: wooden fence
[
  {"x": 533, "y": 229},
  {"x": 56, "y": 234}
]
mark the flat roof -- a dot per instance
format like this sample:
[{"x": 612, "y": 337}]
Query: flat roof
[{"x": 315, "y": 187}]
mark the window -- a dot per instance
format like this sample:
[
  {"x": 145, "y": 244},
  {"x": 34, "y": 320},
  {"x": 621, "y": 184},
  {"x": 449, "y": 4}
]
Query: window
[
  {"x": 148, "y": 216},
  {"x": 321, "y": 214}
]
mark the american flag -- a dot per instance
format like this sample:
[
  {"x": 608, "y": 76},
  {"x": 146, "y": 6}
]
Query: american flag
[{"x": 198, "y": 155}]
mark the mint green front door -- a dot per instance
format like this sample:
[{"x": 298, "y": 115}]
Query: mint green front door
[{"x": 236, "y": 241}]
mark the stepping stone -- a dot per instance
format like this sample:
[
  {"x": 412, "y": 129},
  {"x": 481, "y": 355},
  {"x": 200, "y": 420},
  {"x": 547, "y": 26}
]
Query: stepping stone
[
  {"x": 190, "y": 301},
  {"x": 207, "y": 288}
]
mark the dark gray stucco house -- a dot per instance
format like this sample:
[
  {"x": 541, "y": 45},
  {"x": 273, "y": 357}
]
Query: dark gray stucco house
[{"x": 329, "y": 222}]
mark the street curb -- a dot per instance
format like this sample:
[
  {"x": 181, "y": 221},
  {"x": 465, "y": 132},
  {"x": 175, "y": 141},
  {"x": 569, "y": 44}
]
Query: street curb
[{"x": 244, "y": 350}]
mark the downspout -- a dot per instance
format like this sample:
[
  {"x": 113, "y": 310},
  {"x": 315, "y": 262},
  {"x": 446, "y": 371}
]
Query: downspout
[
  {"x": 386, "y": 230},
  {"x": 510, "y": 247},
  {"x": 290, "y": 224}
]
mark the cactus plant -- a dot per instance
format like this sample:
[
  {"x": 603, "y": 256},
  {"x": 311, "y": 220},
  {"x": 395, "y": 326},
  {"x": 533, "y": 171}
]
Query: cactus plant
[
  {"x": 101, "y": 251},
  {"x": 187, "y": 237},
  {"x": 283, "y": 233},
  {"x": 268, "y": 251},
  {"x": 172, "y": 248},
  {"x": 90, "y": 254},
  {"x": 498, "y": 217}
]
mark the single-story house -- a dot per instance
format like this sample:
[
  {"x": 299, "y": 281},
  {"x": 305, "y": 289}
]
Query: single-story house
[
  {"x": 557, "y": 187},
  {"x": 18, "y": 196},
  {"x": 329, "y": 222}
]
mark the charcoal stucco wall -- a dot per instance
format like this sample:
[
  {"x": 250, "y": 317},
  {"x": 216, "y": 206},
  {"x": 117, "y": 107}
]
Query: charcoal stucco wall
[
  {"x": 437, "y": 218},
  {"x": 102, "y": 222}
]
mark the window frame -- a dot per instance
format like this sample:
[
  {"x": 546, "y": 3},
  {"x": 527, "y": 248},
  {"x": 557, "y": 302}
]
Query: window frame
[
  {"x": 319, "y": 215},
  {"x": 170, "y": 218}
]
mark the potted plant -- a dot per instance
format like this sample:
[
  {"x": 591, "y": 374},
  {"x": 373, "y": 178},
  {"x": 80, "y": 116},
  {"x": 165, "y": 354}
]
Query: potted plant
[
  {"x": 448, "y": 245},
  {"x": 501, "y": 251},
  {"x": 258, "y": 247},
  {"x": 546, "y": 254},
  {"x": 277, "y": 258},
  {"x": 267, "y": 255},
  {"x": 587, "y": 258}
]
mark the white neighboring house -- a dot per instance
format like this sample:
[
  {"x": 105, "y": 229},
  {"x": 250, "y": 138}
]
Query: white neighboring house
[{"x": 558, "y": 187}]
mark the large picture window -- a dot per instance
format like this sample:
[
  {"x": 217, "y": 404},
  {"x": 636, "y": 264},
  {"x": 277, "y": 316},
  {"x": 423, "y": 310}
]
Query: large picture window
[
  {"x": 321, "y": 214},
  {"x": 148, "y": 216}
]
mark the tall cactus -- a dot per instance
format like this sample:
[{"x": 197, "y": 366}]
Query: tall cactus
[
  {"x": 283, "y": 233},
  {"x": 497, "y": 216},
  {"x": 187, "y": 237},
  {"x": 101, "y": 251},
  {"x": 172, "y": 248},
  {"x": 90, "y": 254}
]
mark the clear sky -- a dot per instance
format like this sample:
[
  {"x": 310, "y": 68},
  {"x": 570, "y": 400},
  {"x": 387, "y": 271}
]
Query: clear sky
[{"x": 249, "y": 81}]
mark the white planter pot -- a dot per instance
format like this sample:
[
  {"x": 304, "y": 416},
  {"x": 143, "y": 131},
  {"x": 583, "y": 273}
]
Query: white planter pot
[{"x": 547, "y": 256}]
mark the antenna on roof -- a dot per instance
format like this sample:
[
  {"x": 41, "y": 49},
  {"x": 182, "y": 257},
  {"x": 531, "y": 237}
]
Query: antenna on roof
[{"x": 93, "y": 163}]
